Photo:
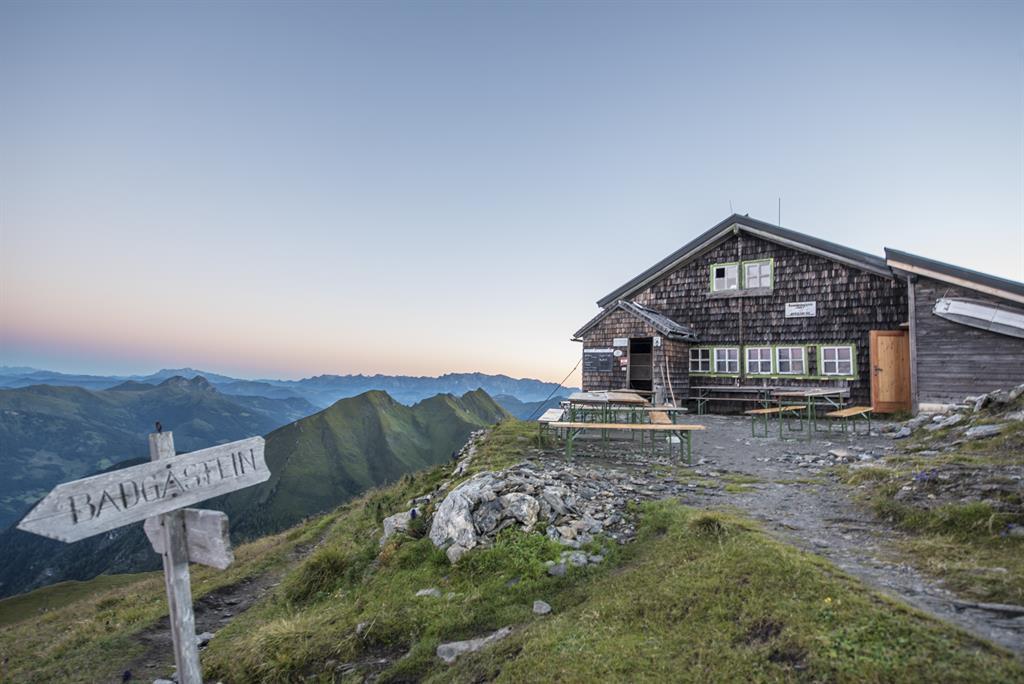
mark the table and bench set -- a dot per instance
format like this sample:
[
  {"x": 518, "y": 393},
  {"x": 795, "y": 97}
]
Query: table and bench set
[
  {"x": 622, "y": 410},
  {"x": 616, "y": 411},
  {"x": 787, "y": 404}
]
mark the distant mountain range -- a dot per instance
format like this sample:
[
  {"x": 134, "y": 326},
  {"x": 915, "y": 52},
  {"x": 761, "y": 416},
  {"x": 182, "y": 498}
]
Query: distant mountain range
[
  {"x": 53, "y": 434},
  {"x": 321, "y": 390},
  {"x": 317, "y": 463},
  {"x": 525, "y": 410}
]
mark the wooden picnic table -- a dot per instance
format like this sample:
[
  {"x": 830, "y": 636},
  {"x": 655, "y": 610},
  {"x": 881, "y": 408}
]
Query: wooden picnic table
[
  {"x": 808, "y": 398},
  {"x": 626, "y": 414},
  {"x": 604, "y": 402},
  {"x": 683, "y": 432}
]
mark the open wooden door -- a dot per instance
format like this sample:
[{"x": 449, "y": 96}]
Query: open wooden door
[
  {"x": 641, "y": 353},
  {"x": 890, "y": 371}
]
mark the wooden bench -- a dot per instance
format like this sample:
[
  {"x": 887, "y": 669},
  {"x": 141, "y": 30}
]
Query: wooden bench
[
  {"x": 659, "y": 417},
  {"x": 683, "y": 432},
  {"x": 765, "y": 413},
  {"x": 845, "y": 414}
]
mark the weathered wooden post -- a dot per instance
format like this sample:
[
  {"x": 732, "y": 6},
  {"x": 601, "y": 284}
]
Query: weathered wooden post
[
  {"x": 176, "y": 576},
  {"x": 158, "y": 493}
]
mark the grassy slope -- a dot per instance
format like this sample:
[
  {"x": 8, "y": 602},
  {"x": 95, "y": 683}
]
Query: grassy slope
[
  {"x": 962, "y": 544},
  {"x": 703, "y": 597},
  {"x": 88, "y": 635},
  {"x": 699, "y": 597}
]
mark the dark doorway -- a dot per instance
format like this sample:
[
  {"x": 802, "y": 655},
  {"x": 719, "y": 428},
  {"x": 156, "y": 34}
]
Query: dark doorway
[{"x": 640, "y": 354}]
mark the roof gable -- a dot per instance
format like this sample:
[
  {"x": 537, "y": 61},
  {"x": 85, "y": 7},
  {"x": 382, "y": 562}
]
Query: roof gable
[
  {"x": 982, "y": 282},
  {"x": 767, "y": 231},
  {"x": 660, "y": 322}
]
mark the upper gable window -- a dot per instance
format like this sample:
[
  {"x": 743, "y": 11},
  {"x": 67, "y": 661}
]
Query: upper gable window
[
  {"x": 725, "y": 277},
  {"x": 757, "y": 273}
]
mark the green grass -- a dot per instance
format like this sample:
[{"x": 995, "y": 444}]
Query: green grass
[
  {"x": 740, "y": 478},
  {"x": 24, "y": 606},
  {"x": 89, "y": 630},
  {"x": 963, "y": 544},
  {"x": 700, "y": 596}
]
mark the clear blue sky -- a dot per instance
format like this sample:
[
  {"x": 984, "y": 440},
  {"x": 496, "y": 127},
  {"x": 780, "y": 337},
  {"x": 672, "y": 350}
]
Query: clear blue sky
[{"x": 285, "y": 189}]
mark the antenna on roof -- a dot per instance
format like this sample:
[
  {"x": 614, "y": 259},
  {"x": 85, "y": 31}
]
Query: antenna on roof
[
  {"x": 730, "y": 207},
  {"x": 780, "y": 213}
]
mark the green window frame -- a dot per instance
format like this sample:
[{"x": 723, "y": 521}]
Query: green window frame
[
  {"x": 789, "y": 362},
  {"x": 842, "y": 365},
  {"x": 725, "y": 278},
  {"x": 761, "y": 356},
  {"x": 724, "y": 362},
  {"x": 761, "y": 275},
  {"x": 702, "y": 358}
]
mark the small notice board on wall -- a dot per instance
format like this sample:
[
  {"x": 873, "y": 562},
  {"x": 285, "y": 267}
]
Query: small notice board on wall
[
  {"x": 801, "y": 309},
  {"x": 597, "y": 360}
]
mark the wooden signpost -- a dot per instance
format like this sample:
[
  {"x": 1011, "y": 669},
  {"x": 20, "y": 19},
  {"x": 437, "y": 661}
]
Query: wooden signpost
[{"x": 158, "y": 493}]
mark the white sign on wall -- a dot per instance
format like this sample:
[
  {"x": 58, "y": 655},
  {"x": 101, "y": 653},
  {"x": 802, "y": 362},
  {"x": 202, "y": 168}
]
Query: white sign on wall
[
  {"x": 801, "y": 309},
  {"x": 657, "y": 341},
  {"x": 620, "y": 342}
]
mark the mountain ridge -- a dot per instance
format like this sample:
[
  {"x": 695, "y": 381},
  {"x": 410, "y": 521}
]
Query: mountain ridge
[
  {"x": 317, "y": 462},
  {"x": 320, "y": 390}
]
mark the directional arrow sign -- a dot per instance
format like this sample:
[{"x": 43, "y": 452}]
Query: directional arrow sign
[{"x": 80, "y": 509}]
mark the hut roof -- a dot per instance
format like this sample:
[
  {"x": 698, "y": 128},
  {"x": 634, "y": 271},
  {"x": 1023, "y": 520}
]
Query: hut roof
[
  {"x": 660, "y": 322},
  {"x": 994, "y": 285},
  {"x": 744, "y": 224}
]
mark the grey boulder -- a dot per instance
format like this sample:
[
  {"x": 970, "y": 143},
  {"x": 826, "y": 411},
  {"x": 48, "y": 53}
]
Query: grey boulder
[{"x": 450, "y": 651}]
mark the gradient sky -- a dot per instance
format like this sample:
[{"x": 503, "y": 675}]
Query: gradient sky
[{"x": 288, "y": 189}]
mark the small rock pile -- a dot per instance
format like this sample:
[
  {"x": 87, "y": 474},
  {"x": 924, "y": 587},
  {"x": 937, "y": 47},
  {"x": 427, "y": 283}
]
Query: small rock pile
[
  {"x": 575, "y": 502},
  {"x": 963, "y": 419}
]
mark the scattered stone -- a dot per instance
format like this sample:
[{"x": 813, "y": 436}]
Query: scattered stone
[
  {"x": 983, "y": 431},
  {"x": 361, "y": 628},
  {"x": 398, "y": 522},
  {"x": 450, "y": 652},
  {"x": 541, "y": 608},
  {"x": 557, "y": 570},
  {"x": 433, "y": 592},
  {"x": 1015, "y": 530},
  {"x": 903, "y": 432},
  {"x": 841, "y": 454},
  {"x": 577, "y": 558},
  {"x": 203, "y": 639}
]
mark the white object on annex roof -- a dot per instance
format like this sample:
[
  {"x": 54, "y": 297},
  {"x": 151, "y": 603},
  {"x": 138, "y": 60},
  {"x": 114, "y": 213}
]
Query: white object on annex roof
[{"x": 983, "y": 315}]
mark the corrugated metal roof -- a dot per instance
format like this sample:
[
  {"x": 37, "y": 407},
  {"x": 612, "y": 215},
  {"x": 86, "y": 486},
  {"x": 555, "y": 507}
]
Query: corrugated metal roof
[
  {"x": 862, "y": 260},
  {"x": 660, "y": 322},
  {"x": 940, "y": 268}
]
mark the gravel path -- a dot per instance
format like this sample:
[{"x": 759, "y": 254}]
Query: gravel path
[{"x": 799, "y": 504}]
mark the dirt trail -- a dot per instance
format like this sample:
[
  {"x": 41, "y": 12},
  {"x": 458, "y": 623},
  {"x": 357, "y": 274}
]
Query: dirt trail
[
  {"x": 213, "y": 611},
  {"x": 798, "y": 504}
]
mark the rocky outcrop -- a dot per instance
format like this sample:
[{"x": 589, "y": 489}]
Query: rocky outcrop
[
  {"x": 573, "y": 502},
  {"x": 971, "y": 419}
]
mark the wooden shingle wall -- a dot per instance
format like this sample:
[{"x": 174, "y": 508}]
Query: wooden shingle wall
[
  {"x": 601, "y": 336},
  {"x": 954, "y": 360},
  {"x": 850, "y": 303}
]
